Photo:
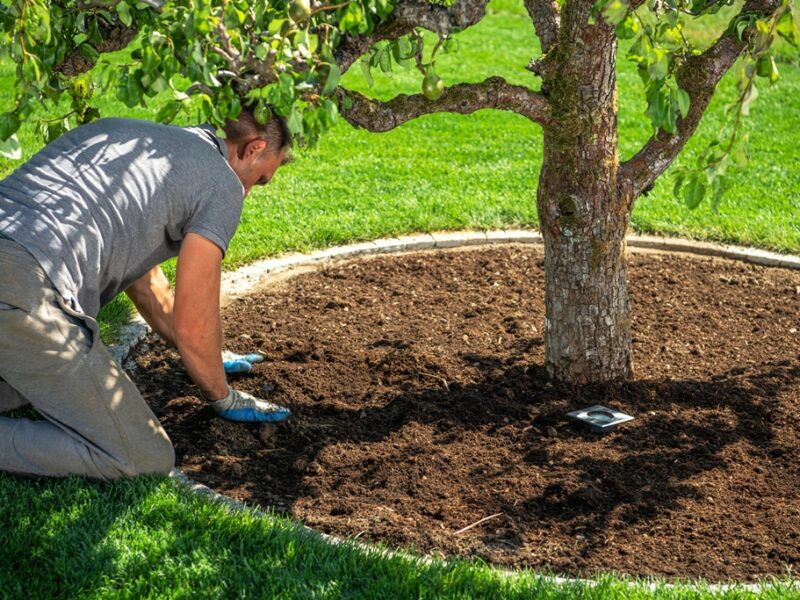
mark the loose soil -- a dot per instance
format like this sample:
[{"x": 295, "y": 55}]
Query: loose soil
[{"x": 421, "y": 407}]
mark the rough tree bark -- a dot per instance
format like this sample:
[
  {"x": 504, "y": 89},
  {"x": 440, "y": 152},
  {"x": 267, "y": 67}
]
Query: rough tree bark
[{"x": 583, "y": 218}]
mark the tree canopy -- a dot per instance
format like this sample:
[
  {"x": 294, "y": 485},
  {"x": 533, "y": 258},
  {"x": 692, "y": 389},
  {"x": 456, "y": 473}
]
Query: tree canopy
[{"x": 209, "y": 56}]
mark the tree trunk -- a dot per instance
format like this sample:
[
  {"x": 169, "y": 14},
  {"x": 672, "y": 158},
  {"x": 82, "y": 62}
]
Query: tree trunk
[{"x": 582, "y": 216}]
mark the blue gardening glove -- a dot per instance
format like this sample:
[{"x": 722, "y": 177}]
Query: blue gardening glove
[
  {"x": 239, "y": 363},
  {"x": 241, "y": 406}
]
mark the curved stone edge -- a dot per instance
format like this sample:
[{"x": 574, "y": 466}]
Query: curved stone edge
[
  {"x": 245, "y": 279},
  {"x": 127, "y": 338}
]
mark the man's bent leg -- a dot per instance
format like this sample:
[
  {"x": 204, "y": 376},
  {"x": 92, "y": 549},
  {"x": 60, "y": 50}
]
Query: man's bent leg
[
  {"x": 10, "y": 398},
  {"x": 98, "y": 425}
]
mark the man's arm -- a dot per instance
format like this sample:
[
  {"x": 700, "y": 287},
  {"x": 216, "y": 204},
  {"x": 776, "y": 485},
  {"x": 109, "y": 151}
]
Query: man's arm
[
  {"x": 190, "y": 320},
  {"x": 196, "y": 322},
  {"x": 154, "y": 299}
]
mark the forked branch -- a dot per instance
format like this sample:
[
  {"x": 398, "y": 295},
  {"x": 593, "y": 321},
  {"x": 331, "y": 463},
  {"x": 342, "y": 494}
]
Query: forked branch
[
  {"x": 115, "y": 37},
  {"x": 409, "y": 15},
  {"x": 463, "y": 98},
  {"x": 546, "y": 18},
  {"x": 698, "y": 76}
]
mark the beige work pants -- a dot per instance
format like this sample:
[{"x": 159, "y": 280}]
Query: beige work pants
[{"x": 96, "y": 422}]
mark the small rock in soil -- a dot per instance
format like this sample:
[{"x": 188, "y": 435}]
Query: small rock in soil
[{"x": 266, "y": 433}]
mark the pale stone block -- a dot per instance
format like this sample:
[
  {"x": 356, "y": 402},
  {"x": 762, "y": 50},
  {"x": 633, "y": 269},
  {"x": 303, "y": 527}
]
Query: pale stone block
[
  {"x": 129, "y": 336},
  {"x": 352, "y": 250},
  {"x": 523, "y": 236},
  {"x": 423, "y": 241},
  {"x": 389, "y": 245},
  {"x": 458, "y": 238}
]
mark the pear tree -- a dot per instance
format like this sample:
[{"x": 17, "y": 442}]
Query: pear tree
[{"x": 208, "y": 57}]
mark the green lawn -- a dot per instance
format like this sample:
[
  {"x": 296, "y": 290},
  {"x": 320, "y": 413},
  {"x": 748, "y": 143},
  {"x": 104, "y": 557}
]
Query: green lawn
[{"x": 148, "y": 538}]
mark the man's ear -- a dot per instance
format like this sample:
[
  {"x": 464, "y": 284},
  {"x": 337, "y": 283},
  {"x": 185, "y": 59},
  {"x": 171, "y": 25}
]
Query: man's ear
[{"x": 253, "y": 148}]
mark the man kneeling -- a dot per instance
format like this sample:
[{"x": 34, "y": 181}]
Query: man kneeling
[{"x": 95, "y": 213}]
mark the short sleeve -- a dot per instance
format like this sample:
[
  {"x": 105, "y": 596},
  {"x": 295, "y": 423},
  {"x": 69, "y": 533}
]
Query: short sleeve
[{"x": 216, "y": 216}]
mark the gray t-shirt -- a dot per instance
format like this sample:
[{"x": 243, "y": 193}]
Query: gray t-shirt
[{"x": 107, "y": 201}]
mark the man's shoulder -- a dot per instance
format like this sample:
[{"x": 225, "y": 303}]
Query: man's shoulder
[
  {"x": 143, "y": 128},
  {"x": 175, "y": 140}
]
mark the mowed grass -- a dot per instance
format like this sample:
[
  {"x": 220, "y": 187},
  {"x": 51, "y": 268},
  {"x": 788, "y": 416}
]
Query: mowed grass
[{"x": 151, "y": 538}]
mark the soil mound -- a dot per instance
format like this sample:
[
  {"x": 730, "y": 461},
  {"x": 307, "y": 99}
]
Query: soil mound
[{"x": 421, "y": 407}]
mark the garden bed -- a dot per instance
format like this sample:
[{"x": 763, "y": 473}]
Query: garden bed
[{"x": 421, "y": 407}]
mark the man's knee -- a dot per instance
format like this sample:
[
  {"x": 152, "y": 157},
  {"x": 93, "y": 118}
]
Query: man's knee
[
  {"x": 159, "y": 459},
  {"x": 156, "y": 458}
]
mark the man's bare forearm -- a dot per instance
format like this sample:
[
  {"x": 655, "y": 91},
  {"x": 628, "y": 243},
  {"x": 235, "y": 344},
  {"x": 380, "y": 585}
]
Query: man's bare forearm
[
  {"x": 200, "y": 348},
  {"x": 196, "y": 323},
  {"x": 154, "y": 299}
]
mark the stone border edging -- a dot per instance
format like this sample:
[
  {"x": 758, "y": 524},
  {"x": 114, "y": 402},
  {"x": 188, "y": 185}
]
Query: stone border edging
[
  {"x": 243, "y": 280},
  {"x": 248, "y": 277}
]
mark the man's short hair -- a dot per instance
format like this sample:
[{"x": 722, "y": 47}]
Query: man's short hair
[{"x": 246, "y": 127}]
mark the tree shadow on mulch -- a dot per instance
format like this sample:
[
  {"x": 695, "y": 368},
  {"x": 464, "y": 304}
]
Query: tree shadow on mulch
[
  {"x": 569, "y": 481},
  {"x": 405, "y": 433}
]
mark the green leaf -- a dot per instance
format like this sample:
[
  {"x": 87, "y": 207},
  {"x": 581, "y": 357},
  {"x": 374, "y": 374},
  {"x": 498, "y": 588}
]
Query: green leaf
[
  {"x": 766, "y": 67},
  {"x": 31, "y": 68},
  {"x": 679, "y": 179},
  {"x": 719, "y": 185},
  {"x": 615, "y": 11},
  {"x": 786, "y": 27},
  {"x": 365, "y": 70},
  {"x": 451, "y": 45},
  {"x": 54, "y": 130},
  {"x": 658, "y": 68},
  {"x": 89, "y": 52},
  {"x": 348, "y": 102},
  {"x": 694, "y": 190},
  {"x": 124, "y": 13},
  {"x": 748, "y": 99},
  {"x": 90, "y": 114},
  {"x": 10, "y": 148},
  {"x": 741, "y": 23},
  {"x": 168, "y": 112},
  {"x": 628, "y": 28},
  {"x": 295, "y": 122},
  {"x": 351, "y": 18},
  {"x": 9, "y": 124},
  {"x": 328, "y": 114},
  {"x": 657, "y": 108},
  {"x": 333, "y": 74},
  {"x": 684, "y": 101},
  {"x": 385, "y": 61},
  {"x": 262, "y": 113}
]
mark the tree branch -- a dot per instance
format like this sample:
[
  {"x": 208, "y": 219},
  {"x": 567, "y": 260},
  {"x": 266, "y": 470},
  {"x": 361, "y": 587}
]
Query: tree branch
[
  {"x": 698, "y": 76},
  {"x": 408, "y": 15},
  {"x": 464, "y": 98},
  {"x": 545, "y": 16},
  {"x": 115, "y": 37}
]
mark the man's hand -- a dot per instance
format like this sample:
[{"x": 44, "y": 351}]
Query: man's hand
[
  {"x": 239, "y": 363},
  {"x": 241, "y": 406}
]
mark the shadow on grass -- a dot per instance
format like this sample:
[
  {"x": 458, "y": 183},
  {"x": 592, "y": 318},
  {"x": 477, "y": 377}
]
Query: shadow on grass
[{"x": 151, "y": 537}]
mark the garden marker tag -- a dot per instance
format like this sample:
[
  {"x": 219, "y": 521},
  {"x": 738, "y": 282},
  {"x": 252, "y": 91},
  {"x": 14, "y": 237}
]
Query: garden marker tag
[{"x": 600, "y": 418}]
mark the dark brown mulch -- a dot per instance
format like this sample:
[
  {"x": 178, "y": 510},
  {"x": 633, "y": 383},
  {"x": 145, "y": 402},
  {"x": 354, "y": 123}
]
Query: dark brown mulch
[{"x": 421, "y": 406}]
